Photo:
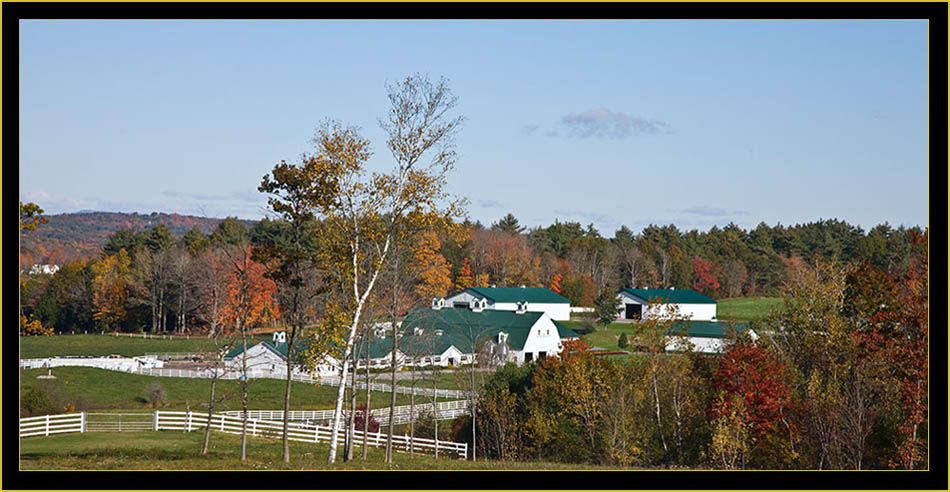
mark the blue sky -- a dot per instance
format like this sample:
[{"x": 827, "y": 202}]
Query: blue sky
[{"x": 694, "y": 123}]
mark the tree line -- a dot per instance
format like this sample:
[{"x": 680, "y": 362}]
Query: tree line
[{"x": 166, "y": 284}]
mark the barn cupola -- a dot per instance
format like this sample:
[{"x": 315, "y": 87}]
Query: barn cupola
[
  {"x": 438, "y": 303},
  {"x": 280, "y": 337}
]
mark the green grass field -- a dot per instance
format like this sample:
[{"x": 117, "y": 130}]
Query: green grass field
[
  {"x": 169, "y": 450},
  {"x": 601, "y": 337},
  {"x": 90, "y": 389},
  {"x": 37, "y": 347},
  {"x": 747, "y": 308}
]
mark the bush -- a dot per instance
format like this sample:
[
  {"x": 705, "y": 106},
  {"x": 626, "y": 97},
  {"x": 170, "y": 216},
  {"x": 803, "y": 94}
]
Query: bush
[
  {"x": 37, "y": 402},
  {"x": 358, "y": 420},
  {"x": 157, "y": 395},
  {"x": 623, "y": 342}
]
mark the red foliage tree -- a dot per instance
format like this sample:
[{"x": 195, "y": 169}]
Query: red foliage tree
[
  {"x": 703, "y": 279},
  {"x": 755, "y": 375}
]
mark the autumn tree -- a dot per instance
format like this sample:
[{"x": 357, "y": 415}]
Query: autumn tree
[
  {"x": 363, "y": 217},
  {"x": 250, "y": 300},
  {"x": 556, "y": 283},
  {"x": 430, "y": 267},
  {"x": 291, "y": 257},
  {"x": 464, "y": 278},
  {"x": 703, "y": 279},
  {"x": 31, "y": 215},
  {"x": 110, "y": 290}
]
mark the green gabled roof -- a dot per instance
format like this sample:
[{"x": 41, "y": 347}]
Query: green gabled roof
[
  {"x": 706, "y": 329},
  {"x": 460, "y": 326},
  {"x": 565, "y": 332},
  {"x": 676, "y": 296},
  {"x": 516, "y": 294}
]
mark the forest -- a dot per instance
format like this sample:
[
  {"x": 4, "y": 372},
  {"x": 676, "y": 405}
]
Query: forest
[{"x": 156, "y": 281}]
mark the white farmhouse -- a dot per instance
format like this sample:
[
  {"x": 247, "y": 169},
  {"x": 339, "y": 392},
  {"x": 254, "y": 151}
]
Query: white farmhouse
[
  {"x": 652, "y": 303},
  {"x": 557, "y": 307}
]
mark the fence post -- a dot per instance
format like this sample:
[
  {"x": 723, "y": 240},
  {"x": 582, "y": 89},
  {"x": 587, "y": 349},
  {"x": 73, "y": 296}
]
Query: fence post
[
  {"x": 189, "y": 420},
  {"x": 155, "y": 421},
  {"x": 47, "y": 425}
]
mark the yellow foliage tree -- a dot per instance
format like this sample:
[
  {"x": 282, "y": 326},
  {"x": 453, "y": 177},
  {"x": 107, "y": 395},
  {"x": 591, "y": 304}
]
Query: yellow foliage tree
[
  {"x": 110, "y": 289},
  {"x": 430, "y": 267}
]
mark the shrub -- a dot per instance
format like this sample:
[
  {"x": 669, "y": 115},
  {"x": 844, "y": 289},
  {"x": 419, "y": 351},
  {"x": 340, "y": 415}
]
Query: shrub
[
  {"x": 373, "y": 425},
  {"x": 157, "y": 395},
  {"x": 37, "y": 402},
  {"x": 623, "y": 342}
]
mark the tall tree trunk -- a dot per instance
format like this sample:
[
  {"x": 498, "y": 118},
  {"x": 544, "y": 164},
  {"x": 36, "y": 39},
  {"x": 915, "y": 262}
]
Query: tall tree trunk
[
  {"x": 412, "y": 413},
  {"x": 352, "y": 420},
  {"x": 285, "y": 441},
  {"x": 243, "y": 331},
  {"x": 366, "y": 413},
  {"x": 207, "y": 439},
  {"x": 392, "y": 398},
  {"x": 656, "y": 400}
]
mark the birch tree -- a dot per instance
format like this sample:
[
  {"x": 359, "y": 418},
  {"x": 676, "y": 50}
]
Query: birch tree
[{"x": 365, "y": 214}]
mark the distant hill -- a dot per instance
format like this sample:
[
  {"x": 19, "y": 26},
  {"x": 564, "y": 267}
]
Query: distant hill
[{"x": 68, "y": 237}]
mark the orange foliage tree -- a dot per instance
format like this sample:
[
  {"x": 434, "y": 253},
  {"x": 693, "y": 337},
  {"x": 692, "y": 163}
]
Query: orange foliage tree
[{"x": 430, "y": 267}]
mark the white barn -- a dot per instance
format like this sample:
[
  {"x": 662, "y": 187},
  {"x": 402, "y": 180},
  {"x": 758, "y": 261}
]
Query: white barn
[{"x": 652, "y": 303}]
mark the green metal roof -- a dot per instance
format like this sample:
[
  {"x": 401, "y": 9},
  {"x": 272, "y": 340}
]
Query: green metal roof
[
  {"x": 516, "y": 294},
  {"x": 676, "y": 296},
  {"x": 706, "y": 329},
  {"x": 460, "y": 326},
  {"x": 565, "y": 332}
]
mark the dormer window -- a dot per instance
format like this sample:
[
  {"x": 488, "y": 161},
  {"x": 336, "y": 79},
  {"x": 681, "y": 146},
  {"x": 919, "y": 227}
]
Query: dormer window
[
  {"x": 280, "y": 337},
  {"x": 439, "y": 333},
  {"x": 478, "y": 305},
  {"x": 417, "y": 331},
  {"x": 502, "y": 337},
  {"x": 438, "y": 302},
  {"x": 521, "y": 307}
]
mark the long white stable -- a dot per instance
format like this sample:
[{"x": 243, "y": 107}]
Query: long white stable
[{"x": 47, "y": 425}]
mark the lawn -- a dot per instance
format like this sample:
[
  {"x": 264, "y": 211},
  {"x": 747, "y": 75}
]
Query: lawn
[
  {"x": 37, "y": 347},
  {"x": 447, "y": 379},
  {"x": 603, "y": 337},
  {"x": 91, "y": 389},
  {"x": 747, "y": 308},
  {"x": 171, "y": 450}
]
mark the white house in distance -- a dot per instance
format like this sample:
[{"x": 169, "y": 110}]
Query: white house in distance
[
  {"x": 642, "y": 304},
  {"x": 557, "y": 307},
  {"x": 271, "y": 356}
]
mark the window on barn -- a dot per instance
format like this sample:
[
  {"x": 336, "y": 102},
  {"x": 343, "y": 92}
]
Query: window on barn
[{"x": 528, "y": 356}]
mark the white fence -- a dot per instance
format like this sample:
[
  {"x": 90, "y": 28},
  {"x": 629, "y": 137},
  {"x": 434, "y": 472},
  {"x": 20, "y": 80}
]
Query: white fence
[
  {"x": 189, "y": 421},
  {"x": 444, "y": 410},
  {"x": 52, "y": 424}
]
